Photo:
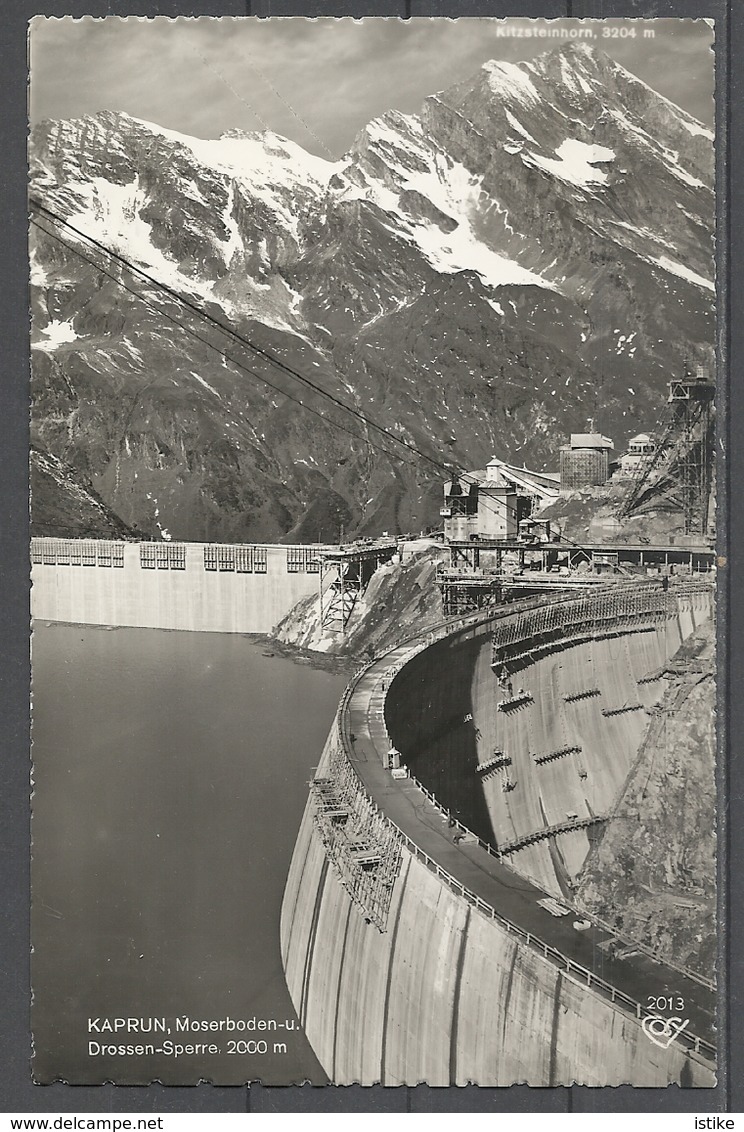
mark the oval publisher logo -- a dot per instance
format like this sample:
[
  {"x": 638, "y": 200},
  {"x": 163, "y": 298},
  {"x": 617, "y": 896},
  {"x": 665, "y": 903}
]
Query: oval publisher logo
[{"x": 663, "y": 1031}]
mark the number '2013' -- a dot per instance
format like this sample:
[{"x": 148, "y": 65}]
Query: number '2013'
[{"x": 666, "y": 1002}]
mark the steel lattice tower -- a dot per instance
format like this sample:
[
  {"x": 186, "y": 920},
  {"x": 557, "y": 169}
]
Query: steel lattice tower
[{"x": 680, "y": 470}]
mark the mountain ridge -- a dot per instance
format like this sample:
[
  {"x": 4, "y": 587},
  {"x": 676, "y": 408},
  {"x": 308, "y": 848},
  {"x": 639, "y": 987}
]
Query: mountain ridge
[{"x": 476, "y": 278}]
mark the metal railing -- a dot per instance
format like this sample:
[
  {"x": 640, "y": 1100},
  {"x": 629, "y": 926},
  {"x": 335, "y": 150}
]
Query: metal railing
[
  {"x": 626, "y": 941},
  {"x": 563, "y": 962},
  {"x": 679, "y": 589},
  {"x": 420, "y": 642},
  {"x": 447, "y": 626}
]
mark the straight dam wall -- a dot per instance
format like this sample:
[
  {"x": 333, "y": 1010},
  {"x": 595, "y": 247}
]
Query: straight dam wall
[
  {"x": 193, "y": 586},
  {"x": 410, "y": 958}
]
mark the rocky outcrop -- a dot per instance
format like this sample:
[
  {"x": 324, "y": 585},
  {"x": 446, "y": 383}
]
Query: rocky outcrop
[
  {"x": 401, "y": 598},
  {"x": 72, "y": 509},
  {"x": 653, "y": 877}
]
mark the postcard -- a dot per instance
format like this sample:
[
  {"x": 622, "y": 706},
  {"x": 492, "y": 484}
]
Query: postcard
[{"x": 374, "y": 551}]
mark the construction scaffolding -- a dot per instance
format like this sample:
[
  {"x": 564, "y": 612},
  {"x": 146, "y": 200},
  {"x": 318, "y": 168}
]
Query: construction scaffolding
[
  {"x": 680, "y": 472},
  {"x": 344, "y": 574},
  {"x": 487, "y": 572},
  {"x": 550, "y": 831},
  {"x": 465, "y": 591},
  {"x": 614, "y": 609},
  {"x": 363, "y": 850}
]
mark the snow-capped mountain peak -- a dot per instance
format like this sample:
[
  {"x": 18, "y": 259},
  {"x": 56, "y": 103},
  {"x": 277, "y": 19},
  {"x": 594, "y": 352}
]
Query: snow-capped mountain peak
[{"x": 475, "y": 271}]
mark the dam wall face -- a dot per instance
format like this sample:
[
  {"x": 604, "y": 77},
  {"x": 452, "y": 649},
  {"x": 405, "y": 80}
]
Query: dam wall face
[
  {"x": 547, "y": 746},
  {"x": 192, "y": 586},
  {"x": 398, "y": 972}
]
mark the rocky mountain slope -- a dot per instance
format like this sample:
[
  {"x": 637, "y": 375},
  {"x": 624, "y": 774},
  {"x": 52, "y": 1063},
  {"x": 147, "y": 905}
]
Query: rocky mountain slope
[
  {"x": 653, "y": 876},
  {"x": 66, "y": 506},
  {"x": 534, "y": 246},
  {"x": 401, "y": 598}
]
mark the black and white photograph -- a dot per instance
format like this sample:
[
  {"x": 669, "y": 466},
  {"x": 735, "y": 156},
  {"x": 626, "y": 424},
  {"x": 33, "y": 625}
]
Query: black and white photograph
[{"x": 373, "y": 514}]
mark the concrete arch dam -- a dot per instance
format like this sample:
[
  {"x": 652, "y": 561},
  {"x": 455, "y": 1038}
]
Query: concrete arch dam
[{"x": 414, "y": 955}]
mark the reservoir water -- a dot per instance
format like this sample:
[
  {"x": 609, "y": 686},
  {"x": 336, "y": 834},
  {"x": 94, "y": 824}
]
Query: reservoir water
[{"x": 170, "y": 773}]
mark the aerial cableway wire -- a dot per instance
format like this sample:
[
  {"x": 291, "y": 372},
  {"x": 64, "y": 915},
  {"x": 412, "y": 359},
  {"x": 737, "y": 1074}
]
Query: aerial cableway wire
[
  {"x": 449, "y": 470},
  {"x": 161, "y": 313},
  {"x": 275, "y": 361}
]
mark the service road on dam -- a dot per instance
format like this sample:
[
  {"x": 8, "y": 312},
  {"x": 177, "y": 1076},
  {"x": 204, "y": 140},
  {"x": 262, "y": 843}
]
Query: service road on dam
[{"x": 656, "y": 987}]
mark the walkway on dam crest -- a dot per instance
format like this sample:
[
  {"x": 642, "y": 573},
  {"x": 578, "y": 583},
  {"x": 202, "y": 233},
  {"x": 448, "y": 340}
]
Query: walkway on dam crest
[{"x": 638, "y": 976}]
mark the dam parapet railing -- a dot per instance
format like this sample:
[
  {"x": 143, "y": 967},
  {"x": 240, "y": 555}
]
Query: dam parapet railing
[
  {"x": 353, "y": 867},
  {"x": 241, "y": 558},
  {"x": 625, "y": 941},
  {"x": 563, "y": 962},
  {"x": 637, "y": 603}
]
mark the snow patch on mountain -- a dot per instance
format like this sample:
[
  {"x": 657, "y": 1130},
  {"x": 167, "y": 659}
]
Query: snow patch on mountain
[
  {"x": 576, "y": 162},
  {"x": 583, "y": 83},
  {"x": 413, "y": 164},
  {"x": 683, "y": 175},
  {"x": 264, "y": 159},
  {"x": 696, "y": 128},
  {"x": 273, "y": 169},
  {"x": 627, "y": 125},
  {"x": 372, "y": 190},
  {"x": 516, "y": 125},
  {"x": 260, "y": 158},
  {"x": 111, "y": 213},
  {"x": 683, "y": 272},
  {"x": 233, "y": 245},
  {"x": 569, "y": 75},
  {"x": 670, "y": 157},
  {"x": 56, "y": 333},
  {"x": 511, "y": 79},
  {"x": 461, "y": 250},
  {"x": 37, "y": 275},
  {"x": 205, "y": 384}
]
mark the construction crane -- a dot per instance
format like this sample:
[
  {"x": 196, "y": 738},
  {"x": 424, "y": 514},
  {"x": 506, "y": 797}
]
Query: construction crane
[{"x": 680, "y": 470}]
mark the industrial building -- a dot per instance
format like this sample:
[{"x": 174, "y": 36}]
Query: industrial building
[
  {"x": 499, "y": 541},
  {"x": 490, "y": 504},
  {"x": 641, "y": 451},
  {"x": 585, "y": 460}
]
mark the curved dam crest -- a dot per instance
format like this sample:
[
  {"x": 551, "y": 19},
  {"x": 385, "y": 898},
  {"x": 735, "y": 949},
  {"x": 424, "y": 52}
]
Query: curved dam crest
[
  {"x": 559, "y": 757},
  {"x": 414, "y": 957}
]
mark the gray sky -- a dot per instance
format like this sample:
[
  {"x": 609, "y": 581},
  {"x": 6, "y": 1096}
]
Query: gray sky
[{"x": 319, "y": 81}]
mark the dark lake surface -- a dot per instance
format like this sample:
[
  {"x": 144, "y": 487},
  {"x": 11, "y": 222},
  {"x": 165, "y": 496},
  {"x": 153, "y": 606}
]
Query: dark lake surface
[{"x": 171, "y": 775}]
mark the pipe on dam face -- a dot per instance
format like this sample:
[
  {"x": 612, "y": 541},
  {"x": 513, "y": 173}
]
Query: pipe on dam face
[{"x": 410, "y": 957}]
